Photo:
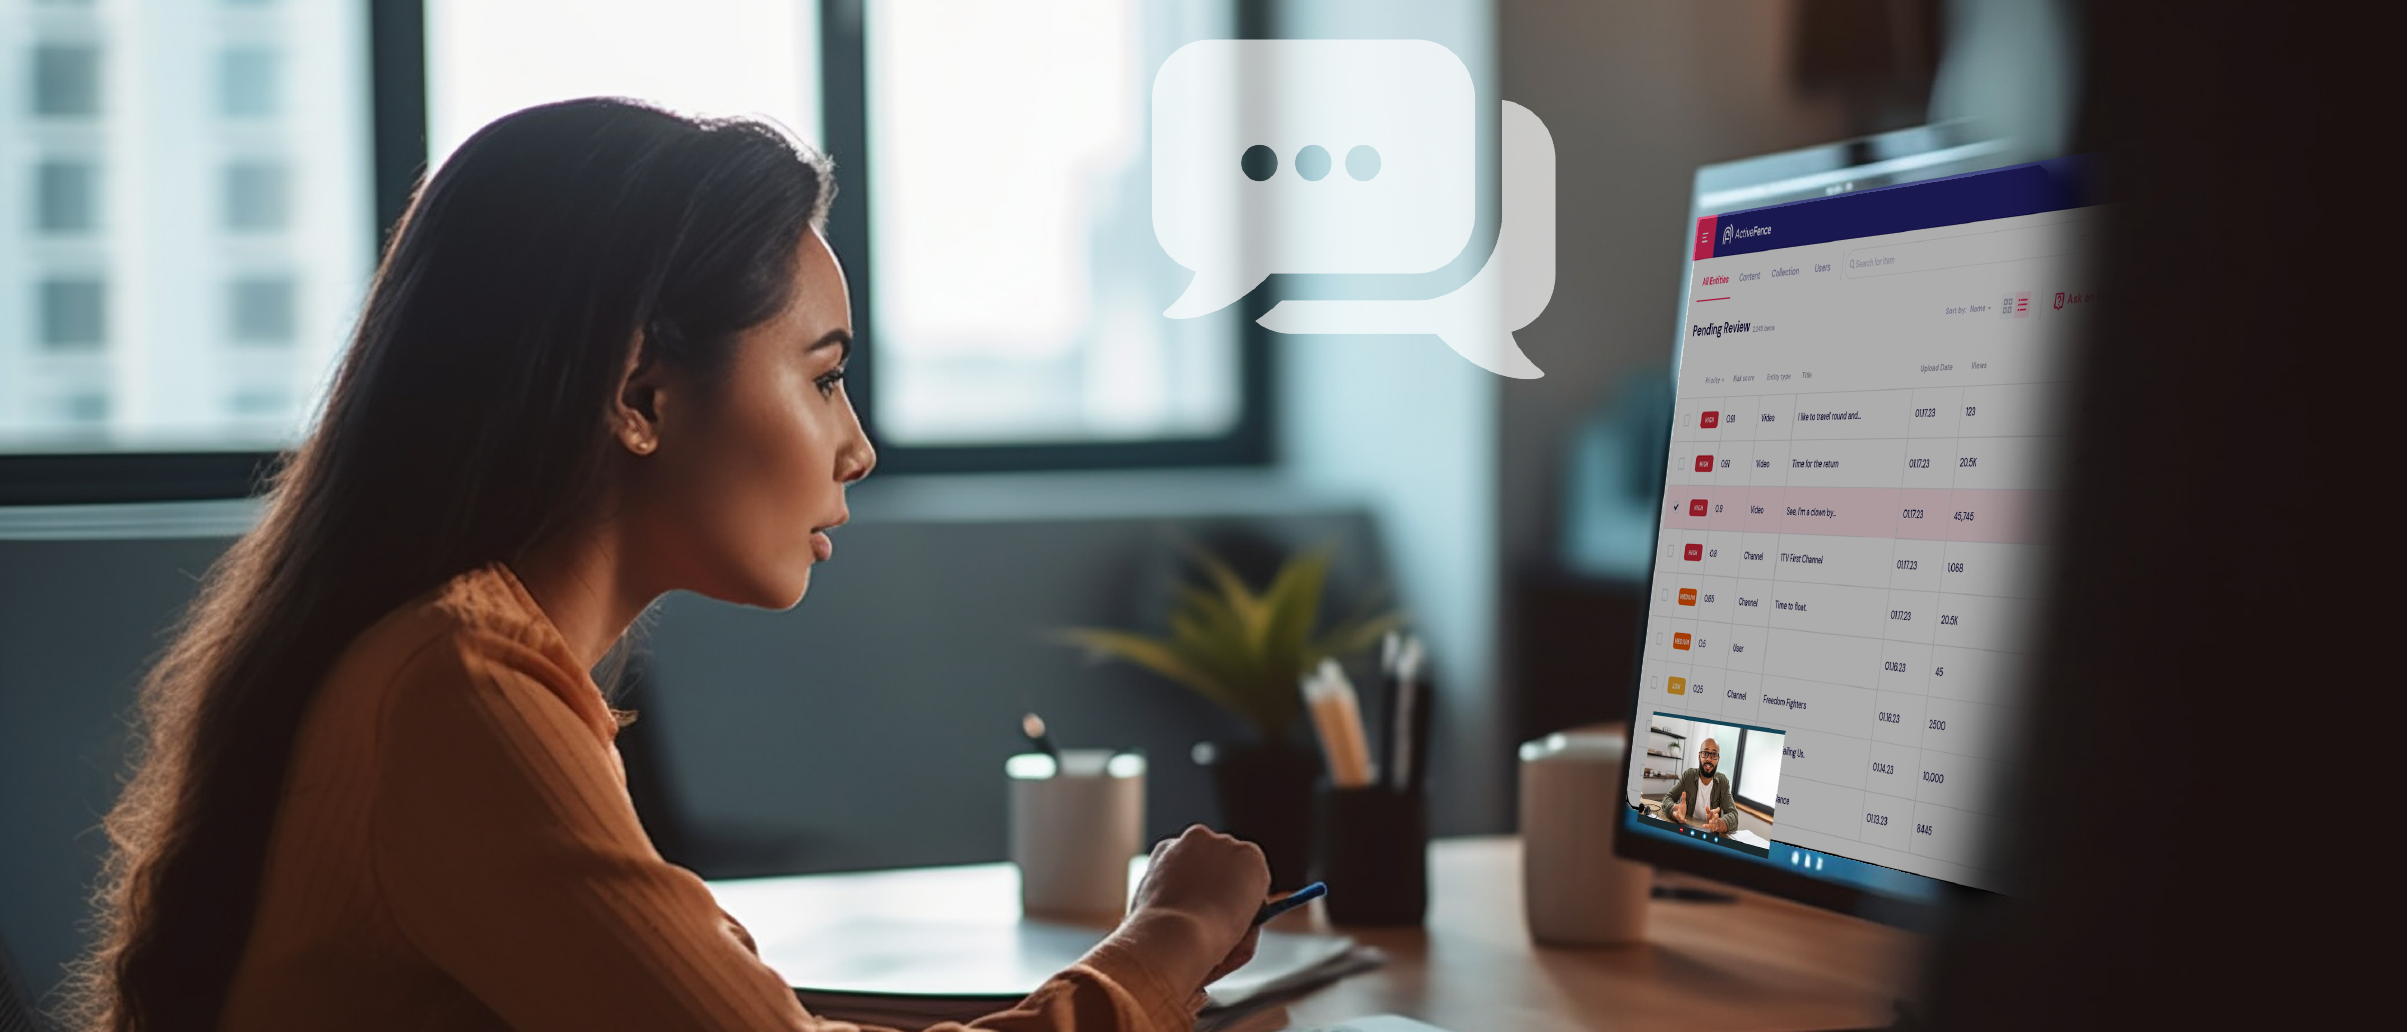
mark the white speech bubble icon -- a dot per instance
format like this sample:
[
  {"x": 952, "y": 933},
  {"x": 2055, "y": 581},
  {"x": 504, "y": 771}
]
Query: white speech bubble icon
[
  {"x": 1478, "y": 318},
  {"x": 1310, "y": 156}
]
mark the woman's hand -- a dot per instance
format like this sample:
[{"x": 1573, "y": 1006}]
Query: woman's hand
[{"x": 1193, "y": 917}]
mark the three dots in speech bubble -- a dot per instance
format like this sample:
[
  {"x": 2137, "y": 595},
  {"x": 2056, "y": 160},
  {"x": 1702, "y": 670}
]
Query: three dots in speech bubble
[{"x": 1312, "y": 162}]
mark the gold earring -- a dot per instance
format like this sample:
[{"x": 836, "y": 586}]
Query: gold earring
[{"x": 642, "y": 445}]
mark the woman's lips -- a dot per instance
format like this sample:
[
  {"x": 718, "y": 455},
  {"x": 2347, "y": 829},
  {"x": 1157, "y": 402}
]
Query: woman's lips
[{"x": 822, "y": 549}]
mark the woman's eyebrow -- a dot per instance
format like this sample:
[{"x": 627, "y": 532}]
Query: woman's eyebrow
[{"x": 838, "y": 337}]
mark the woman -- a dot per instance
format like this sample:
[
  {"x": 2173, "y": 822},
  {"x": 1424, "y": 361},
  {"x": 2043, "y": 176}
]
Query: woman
[{"x": 603, "y": 360}]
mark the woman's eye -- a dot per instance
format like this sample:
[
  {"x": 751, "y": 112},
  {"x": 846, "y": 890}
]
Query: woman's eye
[{"x": 827, "y": 381}]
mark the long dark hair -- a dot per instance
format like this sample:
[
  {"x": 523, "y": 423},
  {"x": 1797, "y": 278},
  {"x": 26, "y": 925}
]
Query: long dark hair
[{"x": 468, "y": 420}]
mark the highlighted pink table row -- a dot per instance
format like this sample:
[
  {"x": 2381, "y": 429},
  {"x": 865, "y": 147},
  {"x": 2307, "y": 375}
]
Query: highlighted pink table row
[{"x": 1930, "y": 514}]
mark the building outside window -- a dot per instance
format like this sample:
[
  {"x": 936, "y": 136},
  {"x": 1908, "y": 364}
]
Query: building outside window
[
  {"x": 66, "y": 80},
  {"x": 74, "y": 313},
  {"x": 255, "y": 196},
  {"x": 259, "y": 402},
  {"x": 83, "y": 408},
  {"x": 247, "y": 82},
  {"x": 262, "y": 310},
  {"x": 66, "y": 196},
  {"x": 163, "y": 164}
]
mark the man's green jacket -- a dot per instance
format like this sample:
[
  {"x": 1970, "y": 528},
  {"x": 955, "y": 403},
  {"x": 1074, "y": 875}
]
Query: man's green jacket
[{"x": 1687, "y": 789}]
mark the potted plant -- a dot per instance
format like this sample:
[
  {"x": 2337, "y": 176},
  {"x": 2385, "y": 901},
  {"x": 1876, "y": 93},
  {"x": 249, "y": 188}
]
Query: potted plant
[{"x": 1246, "y": 651}]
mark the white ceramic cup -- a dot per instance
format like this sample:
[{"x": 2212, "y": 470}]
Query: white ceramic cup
[
  {"x": 1575, "y": 892},
  {"x": 1074, "y": 826}
]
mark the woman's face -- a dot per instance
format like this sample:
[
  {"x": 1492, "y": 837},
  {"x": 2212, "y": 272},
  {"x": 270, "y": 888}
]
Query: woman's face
[{"x": 748, "y": 473}]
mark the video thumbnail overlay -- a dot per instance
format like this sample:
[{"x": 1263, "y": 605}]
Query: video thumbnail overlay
[{"x": 1716, "y": 783}]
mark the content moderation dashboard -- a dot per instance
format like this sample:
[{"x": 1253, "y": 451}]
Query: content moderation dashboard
[{"x": 1862, "y": 474}]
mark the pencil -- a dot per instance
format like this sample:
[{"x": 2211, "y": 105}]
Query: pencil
[{"x": 1337, "y": 720}]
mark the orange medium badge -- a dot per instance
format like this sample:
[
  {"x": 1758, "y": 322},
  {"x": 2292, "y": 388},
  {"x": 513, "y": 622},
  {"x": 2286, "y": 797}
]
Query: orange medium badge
[
  {"x": 1688, "y": 596},
  {"x": 1680, "y": 640}
]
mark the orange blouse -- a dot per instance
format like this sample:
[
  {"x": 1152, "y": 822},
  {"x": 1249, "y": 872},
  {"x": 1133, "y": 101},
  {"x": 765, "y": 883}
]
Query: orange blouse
[{"x": 455, "y": 850}]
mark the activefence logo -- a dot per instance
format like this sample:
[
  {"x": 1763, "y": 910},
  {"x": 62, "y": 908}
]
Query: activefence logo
[
  {"x": 1731, "y": 231},
  {"x": 1348, "y": 156}
]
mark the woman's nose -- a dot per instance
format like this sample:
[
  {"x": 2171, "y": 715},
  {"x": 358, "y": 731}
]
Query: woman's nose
[{"x": 859, "y": 459}]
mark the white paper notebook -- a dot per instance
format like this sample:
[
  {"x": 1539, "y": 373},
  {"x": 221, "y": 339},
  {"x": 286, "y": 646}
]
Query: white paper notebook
[
  {"x": 902, "y": 975},
  {"x": 1374, "y": 1023},
  {"x": 882, "y": 948}
]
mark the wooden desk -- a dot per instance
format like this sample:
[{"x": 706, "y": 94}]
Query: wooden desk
[{"x": 1758, "y": 963}]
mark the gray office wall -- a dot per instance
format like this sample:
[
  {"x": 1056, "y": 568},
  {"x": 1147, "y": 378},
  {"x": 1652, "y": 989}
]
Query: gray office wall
[
  {"x": 1637, "y": 96},
  {"x": 79, "y": 623}
]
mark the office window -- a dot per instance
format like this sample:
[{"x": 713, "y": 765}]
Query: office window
[
  {"x": 487, "y": 58},
  {"x": 246, "y": 131},
  {"x": 259, "y": 403},
  {"x": 246, "y": 82},
  {"x": 255, "y": 196},
  {"x": 84, "y": 407},
  {"x": 262, "y": 310},
  {"x": 66, "y": 196},
  {"x": 74, "y": 313},
  {"x": 1017, "y": 289},
  {"x": 66, "y": 80},
  {"x": 1759, "y": 768}
]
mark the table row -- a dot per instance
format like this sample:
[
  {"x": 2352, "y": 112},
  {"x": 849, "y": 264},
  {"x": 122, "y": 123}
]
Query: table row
[
  {"x": 1985, "y": 410},
  {"x": 1859, "y": 623},
  {"x": 1726, "y": 560},
  {"x": 1981, "y": 722},
  {"x": 1988, "y": 464}
]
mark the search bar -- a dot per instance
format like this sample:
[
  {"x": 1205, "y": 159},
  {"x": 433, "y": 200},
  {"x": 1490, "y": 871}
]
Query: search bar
[{"x": 2004, "y": 245}]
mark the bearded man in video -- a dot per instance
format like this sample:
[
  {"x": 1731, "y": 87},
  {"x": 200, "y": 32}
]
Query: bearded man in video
[{"x": 1702, "y": 798}]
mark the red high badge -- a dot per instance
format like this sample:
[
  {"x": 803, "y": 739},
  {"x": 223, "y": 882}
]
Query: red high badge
[
  {"x": 1696, "y": 507},
  {"x": 1710, "y": 420},
  {"x": 1693, "y": 553},
  {"x": 1704, "y": 463}
]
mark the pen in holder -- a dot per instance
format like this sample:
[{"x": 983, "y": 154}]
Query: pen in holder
[{"x": 1374, "y": 853}]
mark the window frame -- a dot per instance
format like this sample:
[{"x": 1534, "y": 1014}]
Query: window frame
[{"x": 397, "y": 94}]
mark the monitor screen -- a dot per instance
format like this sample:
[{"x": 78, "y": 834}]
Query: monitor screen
[{"x": 1870, "y": 390}]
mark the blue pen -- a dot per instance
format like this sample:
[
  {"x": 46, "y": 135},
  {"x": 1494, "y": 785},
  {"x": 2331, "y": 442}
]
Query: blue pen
[{"x": 1291, "y": 901}]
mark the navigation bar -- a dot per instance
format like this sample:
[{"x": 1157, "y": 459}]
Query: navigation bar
[{"x": 2043, "y": 186}]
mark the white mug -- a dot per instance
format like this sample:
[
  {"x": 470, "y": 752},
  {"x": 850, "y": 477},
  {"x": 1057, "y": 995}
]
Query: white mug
[
  {"x": 1075, "y": 824},
  {"x": 1575, "y": 892}
]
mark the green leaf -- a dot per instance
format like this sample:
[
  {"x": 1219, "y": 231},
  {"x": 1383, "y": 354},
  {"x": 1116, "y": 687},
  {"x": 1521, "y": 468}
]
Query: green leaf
[
  {"x": 1240, "y": 599},
  {"x": 1349, "y": 638},
  {"x": 1156, "y": 656},
  {"x": 1242, "y": 650},
  {"x": 1293, "y": 604}
]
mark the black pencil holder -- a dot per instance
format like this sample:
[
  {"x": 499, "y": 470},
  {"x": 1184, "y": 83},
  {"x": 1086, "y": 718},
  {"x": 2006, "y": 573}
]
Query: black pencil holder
[{"x": 1374, "y": 853}]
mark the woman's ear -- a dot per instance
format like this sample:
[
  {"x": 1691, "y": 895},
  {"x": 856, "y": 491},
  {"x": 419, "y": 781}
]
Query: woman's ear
[{"x": 635, "y": 408}]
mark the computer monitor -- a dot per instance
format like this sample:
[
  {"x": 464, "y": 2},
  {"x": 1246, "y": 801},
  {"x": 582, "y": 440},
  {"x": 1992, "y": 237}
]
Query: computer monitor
[{"x": 1874, "y": 358}]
